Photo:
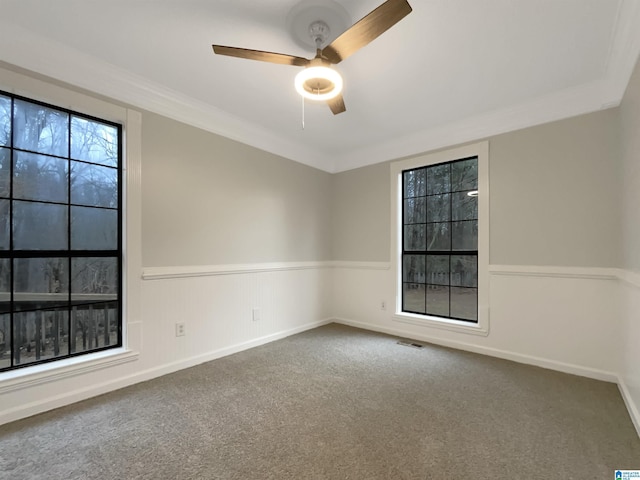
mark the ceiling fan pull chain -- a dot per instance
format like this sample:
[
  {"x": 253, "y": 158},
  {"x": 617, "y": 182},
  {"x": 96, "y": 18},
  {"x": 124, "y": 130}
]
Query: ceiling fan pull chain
[{"x": 303, "y": 113}]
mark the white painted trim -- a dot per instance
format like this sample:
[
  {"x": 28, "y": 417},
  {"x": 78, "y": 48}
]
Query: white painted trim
[
  {"x": 596, "y": 273},
  {"x": 362, "y": 265},
  {"x": 492, "y": 352},
  {"x": 55, "y": 371},
  {"x": 457, "y": 326},
  {"x": 157, "y": 273},
  {"x": 591, "y": 273},
  {"x": 623, "y": 54},
  {"x": 567, "y": 103},
  {"x": 629, "y": 277},
  {"x": 131, "y": 121},
  {"x": 632, "y": 408},
  {"x": 43, "y": 405},
  {"x": 481, "y": 151},
  {"x": 161, "y": 273}
]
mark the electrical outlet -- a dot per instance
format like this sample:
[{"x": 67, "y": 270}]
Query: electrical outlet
[
  {"x": 256, "y": 314},
  {"x": 383, "y": 305},
  {"x": 180, "y": 330}
]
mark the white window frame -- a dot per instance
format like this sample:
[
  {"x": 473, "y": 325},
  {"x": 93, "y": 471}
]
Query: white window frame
[
  {"x": 480, "y": 150},
  {"x": 131, "y": 121}
]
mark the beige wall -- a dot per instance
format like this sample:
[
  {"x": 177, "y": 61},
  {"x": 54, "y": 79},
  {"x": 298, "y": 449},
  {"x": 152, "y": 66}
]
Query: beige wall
[
  {"x": 208, "y": 200},
  {"x": 630, "y": 289},
  {"x": 555, "y": 194},
  {"x": 554, "y": 198},
  {"x": 361, "y": 210},
  {"x": 630, "y": 142}
]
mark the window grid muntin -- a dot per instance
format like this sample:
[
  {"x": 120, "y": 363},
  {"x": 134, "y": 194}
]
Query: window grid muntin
[
  {"x": 68, "y": 254},
  {"x": 427, "y": 253}
]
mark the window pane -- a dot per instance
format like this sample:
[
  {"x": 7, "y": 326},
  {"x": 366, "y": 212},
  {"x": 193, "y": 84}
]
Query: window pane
[
  {"x": 93, "y": 326},
  {"x": 4, "y": 225},
  {"x": 5, "y": 284},
  {"x": 451, "y": 229},
  {"x": 438, "y": 300},
  {"x": 38, "y": 177},
  {"x": 464, "y": 270},
  {"x": 438, "y": 236},
  {"x": 39, "y": 226},
  {"x": 464, "y": 206},
  {"x": 464, "y": 303},
  {"x": 59, "y": 189},
  {"x": 464, "y": 175},
  {"x": 415, "y": 183},
  {"x": 414, "y": 237},
  {"x": 413, "y": 297},
  {"x": 94, "y": 229},
  {"x": 439, "y": 208},
  {"x": 438, "y": 269},
  {"x": 5, "y": 171},
  {"x": 465, "y": 235},
  {"x": 438, "y": 179},
  {"x": 5, "y": 340},
  {"x": 40, "y": 129},
  {"x": 94, "y": 142},
  {"x": 5, "y": 120},
  {"x": 40, "y": 335},
  {"x": 414, "y": 210},
  {"x": 40, "y": 282},
  {"x": 94, "y": 185},
  {"x": 94, "y": 279},
  {"x": 413, "y": 269}
]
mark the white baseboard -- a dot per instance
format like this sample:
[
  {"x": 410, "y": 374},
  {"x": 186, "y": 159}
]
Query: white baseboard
[
  {"x": 632, "y": 408},
  {"x": 67, "y": 398},
  {"x": 492, "y": 352}
]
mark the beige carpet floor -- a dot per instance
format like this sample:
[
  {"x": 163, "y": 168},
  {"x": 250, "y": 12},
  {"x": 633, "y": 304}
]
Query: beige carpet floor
[{"x": 335, "y": 403}]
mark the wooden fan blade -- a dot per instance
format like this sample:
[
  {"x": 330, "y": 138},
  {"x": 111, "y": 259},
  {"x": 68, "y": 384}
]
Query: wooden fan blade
[
  {"x": 366, "y": 30},
  {"x": 336, "y": 104},
  {"x": 260, "y": 55}
]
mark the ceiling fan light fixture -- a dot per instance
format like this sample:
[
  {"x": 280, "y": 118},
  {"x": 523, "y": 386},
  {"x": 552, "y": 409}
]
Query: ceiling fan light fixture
[{"x": 319, "y": 83}]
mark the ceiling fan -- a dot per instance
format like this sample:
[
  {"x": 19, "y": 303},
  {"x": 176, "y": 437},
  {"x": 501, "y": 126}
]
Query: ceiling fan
[{"x": 318, "y": 81}]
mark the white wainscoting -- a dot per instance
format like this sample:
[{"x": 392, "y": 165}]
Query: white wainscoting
[
  {"x": 629, "y": 381},
  {"x": 579, "y": 321},
  {"x": 568, "y": 319},
  {"x": 565, "y": 319},
  {"x": 216, "y": 305}
]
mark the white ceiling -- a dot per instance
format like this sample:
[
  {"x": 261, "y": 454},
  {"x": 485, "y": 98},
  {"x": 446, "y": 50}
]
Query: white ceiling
[{"x": 450, "y": 72}]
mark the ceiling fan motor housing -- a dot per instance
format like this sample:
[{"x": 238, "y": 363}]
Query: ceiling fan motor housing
[
  {"x": 319, "y": 31},
  {"x": 312, "y": 18}
]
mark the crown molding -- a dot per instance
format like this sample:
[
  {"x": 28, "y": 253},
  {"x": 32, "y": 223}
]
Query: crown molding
[
  {"x": 548, "y": 108},
  {"x": 20, "y": 47},
  {"x": 624, "y": 51}
]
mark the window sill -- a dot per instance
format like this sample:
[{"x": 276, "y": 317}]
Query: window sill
[
  {"x": 55, "y": 371},
  {"x": 480, "y": 328}
]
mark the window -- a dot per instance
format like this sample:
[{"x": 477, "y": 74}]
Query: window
[
  {"x": 60, "y": 233},
  {"x": 440, "y": 240},
  {"x": 440, "y": 244}
]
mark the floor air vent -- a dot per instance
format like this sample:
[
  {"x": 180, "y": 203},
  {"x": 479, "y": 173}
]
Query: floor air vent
[{"x": 409, "y": 344}]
